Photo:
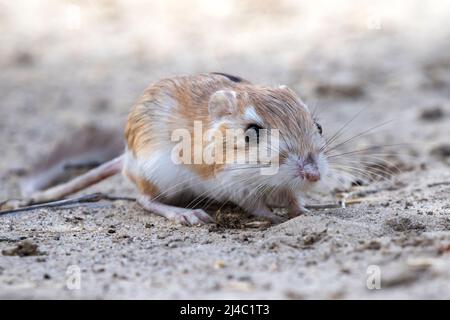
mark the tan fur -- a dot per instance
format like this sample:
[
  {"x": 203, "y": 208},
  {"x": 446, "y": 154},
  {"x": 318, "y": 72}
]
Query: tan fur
[
  {"x": 191, "y": 95},
  {"x": 143, "y": 185},
  {"x": 177, "y": 102}
]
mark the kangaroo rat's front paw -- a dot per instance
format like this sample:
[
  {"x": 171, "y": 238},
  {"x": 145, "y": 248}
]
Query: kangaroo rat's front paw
[
  {"x": 274, "y": 219},
  {"x": 265, "y": 212},
  {"x": 297, "y": 211}
]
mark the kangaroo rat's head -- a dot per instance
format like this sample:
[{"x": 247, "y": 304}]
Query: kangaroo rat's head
[{"x": 277, "y": 126}]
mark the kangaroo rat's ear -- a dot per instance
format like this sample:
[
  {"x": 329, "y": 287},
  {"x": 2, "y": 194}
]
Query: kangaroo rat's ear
[{"x": 222, "y": 103}]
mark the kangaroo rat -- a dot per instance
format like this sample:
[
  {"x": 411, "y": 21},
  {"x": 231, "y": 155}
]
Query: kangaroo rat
[{"x": 219, "y": 103}]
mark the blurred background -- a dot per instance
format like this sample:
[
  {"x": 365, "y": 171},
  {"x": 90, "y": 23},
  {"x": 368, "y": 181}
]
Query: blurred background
[{"x": 65, "y": 64}]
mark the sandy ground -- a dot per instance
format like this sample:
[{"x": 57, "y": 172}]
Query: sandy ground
[{"x": 67, "y": 64}]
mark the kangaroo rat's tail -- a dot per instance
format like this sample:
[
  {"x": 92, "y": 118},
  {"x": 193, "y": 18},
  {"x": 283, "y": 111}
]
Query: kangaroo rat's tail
[{"x": 87, "y": 179}]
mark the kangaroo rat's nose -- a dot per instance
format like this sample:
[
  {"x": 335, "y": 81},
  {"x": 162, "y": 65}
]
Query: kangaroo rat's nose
[
  {"x": 312, "y": 176},
  {"x": 308, "y": 169}
]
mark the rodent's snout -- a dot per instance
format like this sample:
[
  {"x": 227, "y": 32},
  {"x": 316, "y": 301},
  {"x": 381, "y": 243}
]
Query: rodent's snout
[
  {"x": 312, "y": 176},
  {"x": 308, "y": 169}
]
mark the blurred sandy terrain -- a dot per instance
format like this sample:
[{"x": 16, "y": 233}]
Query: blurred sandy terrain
[{"x": 64, "y": 64}]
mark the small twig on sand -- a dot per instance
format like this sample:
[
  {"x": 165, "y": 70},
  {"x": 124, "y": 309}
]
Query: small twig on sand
[
  {"x": 317, "y": 206},
  {"x": 83, "y": 199},
  {"x": 435, "y": 184},
  {"x": 323, "y": 206},
  {"x": 101, "y": 196}
]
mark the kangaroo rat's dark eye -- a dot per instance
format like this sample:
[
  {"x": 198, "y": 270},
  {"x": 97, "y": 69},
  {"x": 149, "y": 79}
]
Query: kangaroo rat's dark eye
[
  {"x": 254, "y": 127},
  {"x": 319, "y": 127}
]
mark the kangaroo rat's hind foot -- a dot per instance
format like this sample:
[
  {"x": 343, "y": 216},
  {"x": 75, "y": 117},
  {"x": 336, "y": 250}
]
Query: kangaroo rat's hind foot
[
  {"x": 181, "y": 215},
  {"x": 264, "y": 211},
  {"x": 91, "y": 177}
]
